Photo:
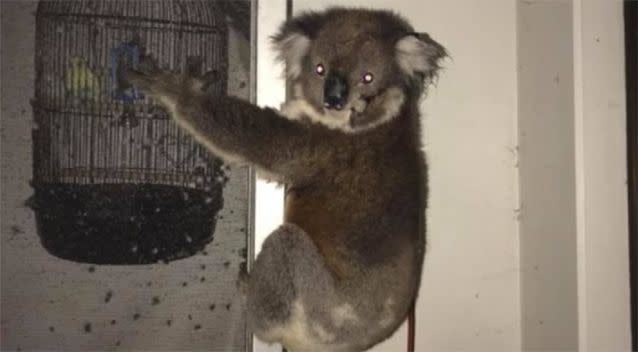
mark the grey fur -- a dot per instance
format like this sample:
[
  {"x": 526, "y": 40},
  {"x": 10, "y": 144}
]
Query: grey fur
[{"x": 341, "y": 274}]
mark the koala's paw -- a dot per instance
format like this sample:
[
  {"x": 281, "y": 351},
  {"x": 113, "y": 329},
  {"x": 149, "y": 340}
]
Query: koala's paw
[{"x": 150, "y": 79}]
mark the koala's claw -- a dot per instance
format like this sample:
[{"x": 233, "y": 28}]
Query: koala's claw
[
  {"x": 138, "y": 79},
  {"x": 148, "y": 65},
  {"x": 145, "y": 76},
  {"x": 242, "y": 282}
]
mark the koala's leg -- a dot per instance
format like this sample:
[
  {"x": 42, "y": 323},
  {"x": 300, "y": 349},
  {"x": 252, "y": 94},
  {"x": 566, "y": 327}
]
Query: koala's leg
[
  {"x": 288, "y": 282},
  {"x": 294, "y": 299},
  {"x": 231, "y": 128}
]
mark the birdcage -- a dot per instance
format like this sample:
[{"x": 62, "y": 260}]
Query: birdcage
[{"x": 115, "y": 180}]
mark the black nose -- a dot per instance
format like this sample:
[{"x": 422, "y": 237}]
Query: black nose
[{"x": 335, "y": 91}]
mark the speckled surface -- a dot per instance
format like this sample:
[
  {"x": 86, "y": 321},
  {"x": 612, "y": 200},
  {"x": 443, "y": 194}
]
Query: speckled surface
[{"x": 53, "y": 304}]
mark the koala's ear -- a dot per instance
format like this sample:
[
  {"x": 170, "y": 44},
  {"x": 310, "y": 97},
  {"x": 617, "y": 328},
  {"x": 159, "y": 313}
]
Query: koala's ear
[
  {"x": 418, "y": 54},
  {"x": 292, "y": 42}
]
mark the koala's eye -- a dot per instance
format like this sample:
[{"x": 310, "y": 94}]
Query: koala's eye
[
  {"x": 320, "y": 70},
  {"x": 368, "y": 77}
]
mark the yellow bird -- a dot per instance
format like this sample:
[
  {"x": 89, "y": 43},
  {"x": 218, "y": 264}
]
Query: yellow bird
[{"x": 81, "y": 83}]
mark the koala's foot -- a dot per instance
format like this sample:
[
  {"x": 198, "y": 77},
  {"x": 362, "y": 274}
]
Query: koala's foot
[
  {"x": 288, "y": 291},
  {"x": 294, "y": 299}
]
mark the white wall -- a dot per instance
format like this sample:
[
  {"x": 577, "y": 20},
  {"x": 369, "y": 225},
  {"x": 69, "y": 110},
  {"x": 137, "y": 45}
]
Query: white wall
[{"x": 470, "y": 291}]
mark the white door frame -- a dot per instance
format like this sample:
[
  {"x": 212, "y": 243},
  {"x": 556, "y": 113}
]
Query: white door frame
[{"x": 601, "y": 176}]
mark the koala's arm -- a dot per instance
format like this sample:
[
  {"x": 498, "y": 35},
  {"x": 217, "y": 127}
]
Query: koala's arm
[
  {"x": 239, "y": 131},
  {"x": 233, "y": 129}
]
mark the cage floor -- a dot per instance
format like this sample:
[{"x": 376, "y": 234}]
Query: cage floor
[{"x": 125, "y": 223}]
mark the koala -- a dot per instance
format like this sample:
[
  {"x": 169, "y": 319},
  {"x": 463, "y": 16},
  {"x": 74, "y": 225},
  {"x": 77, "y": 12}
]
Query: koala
[{"x": 344, "y": 269}]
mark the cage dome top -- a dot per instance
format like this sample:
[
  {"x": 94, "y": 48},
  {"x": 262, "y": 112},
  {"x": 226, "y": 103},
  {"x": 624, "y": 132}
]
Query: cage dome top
[{"x": 192, "y": 13}]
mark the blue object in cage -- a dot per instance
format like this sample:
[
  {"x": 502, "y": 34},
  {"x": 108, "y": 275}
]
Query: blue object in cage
[{"x": 127, "y": 54}]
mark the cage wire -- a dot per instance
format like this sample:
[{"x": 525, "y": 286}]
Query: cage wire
[{"x": 116, "y": 181}]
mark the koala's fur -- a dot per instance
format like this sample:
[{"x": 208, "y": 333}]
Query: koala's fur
[{"x": 344, "y": 269}]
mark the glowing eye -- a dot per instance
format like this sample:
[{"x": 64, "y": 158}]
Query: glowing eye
[
  {"x": 320, "y": 70},
  {"x": 368, "y": 77}
]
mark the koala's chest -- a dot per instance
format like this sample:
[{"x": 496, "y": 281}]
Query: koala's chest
[
  {"x": 325, "y": 217},
  {"x": 330, "y": 209},
  {"x": 318, "y": 213},
  {"x": 330, "y": 217}
]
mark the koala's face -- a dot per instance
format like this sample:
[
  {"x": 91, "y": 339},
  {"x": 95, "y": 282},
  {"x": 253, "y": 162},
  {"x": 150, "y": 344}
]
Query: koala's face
[
  {"x": 341, "y": 77},
  {"x": 352, "y": 72}
]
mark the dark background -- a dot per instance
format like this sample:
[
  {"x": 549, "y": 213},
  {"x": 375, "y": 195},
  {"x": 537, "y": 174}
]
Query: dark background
[{"x": 631, "y": 44}]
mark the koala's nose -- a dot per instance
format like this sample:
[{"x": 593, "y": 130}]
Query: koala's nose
[{"x": 335, "y": 91}]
